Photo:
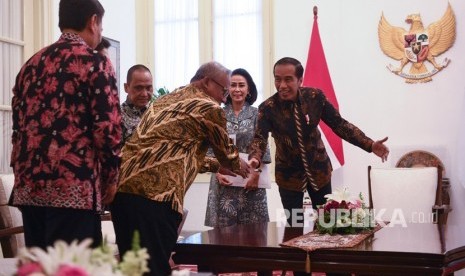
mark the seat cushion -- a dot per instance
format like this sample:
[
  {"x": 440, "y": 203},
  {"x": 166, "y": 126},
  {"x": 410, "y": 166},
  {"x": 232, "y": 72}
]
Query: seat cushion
[
  {"x": 10, "y": 216},
  {"x": 8, "y": 266},
  {"x": 404, "y": 193}
]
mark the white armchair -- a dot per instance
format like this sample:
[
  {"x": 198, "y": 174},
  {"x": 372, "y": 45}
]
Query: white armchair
[
  {"x": 422, "y": 158},
  {"x": 405, "y": 194}
]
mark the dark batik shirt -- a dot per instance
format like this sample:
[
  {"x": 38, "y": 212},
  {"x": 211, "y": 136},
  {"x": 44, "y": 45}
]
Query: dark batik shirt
[
  {"x": 130, "y": 118},
  {"x": 276, "y": 116},
  {"x": 66, "y": 127}
]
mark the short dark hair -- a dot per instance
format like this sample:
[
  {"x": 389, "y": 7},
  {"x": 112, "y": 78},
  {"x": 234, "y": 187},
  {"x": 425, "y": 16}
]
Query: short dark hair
[
  {"x": 299, "y": 70},
  {"x": 250, "y": 83},
  {"x": 136, "y": 68},
  {"x": 104, "y": 44},
  {"x": 74, "y": 14}
]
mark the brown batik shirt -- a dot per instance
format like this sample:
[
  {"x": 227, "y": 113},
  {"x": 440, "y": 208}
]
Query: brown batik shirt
[
  {"x": 276, "y": 116},
  {"x": 167, "y": 149}
]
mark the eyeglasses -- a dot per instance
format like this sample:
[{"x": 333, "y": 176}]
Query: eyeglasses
[{"x": 225, "y": 89}]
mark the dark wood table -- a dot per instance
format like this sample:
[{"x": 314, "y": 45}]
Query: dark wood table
[{"x": 418, "y": 249}]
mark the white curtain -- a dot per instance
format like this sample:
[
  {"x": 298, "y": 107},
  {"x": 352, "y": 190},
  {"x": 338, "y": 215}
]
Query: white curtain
[
  {"x": 176, "y": 42},
  {"x": 5, "y": 150},
  {"x": 238, "y": 37},
  {"x": 236, "y": 31},
  {"x": 11, "y": 59}
]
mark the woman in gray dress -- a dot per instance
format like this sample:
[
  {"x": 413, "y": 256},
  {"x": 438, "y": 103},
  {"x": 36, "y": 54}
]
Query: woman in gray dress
[{"x": 228, "y": 205}]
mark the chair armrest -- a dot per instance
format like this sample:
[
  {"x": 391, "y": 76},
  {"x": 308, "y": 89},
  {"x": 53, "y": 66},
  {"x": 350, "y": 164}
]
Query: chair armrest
[
  {"x": 445, "y": 208},
  {"x": 8, "y": 232},
  {"x": 440, "y": 213}
]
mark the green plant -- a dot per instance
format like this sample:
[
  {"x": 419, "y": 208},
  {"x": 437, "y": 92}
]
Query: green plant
[{"x": 159, "y": 92}]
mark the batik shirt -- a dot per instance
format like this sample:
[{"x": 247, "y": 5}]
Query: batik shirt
[
  {"x": 166, "y": 151},
  {"x": 66, "y": 127},
  {"x": 276, "y": 116},
  {"x": 131, "y": 117}
]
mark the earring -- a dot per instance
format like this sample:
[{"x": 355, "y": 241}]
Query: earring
[{"x": 248, "y": 96}]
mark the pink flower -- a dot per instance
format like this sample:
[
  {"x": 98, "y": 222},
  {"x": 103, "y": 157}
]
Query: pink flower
[
  {"x": 331, "y": 205},
  {"x": 70, "y": 270},
  {"x": 356, "y": 204},
  {"x": 29, "y": 268}
]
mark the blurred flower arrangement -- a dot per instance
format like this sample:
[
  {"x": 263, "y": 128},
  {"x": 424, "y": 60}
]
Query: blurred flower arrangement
[
  {"x": 343, "y": 214},
  {"x": 78, "y": 259}
]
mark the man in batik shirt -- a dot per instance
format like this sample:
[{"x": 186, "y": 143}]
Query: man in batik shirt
[
  {"x": 162, "y": 158},
  {"x": 278, "y": 115},
  {"x": 66, "y": 132},
  {"x": 139, "y": 86}
]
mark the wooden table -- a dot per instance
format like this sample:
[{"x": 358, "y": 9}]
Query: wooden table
[{"x": 417, "y": 249}]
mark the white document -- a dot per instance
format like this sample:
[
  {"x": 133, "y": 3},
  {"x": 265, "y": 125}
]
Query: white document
[
  {"x": 263, "y": 182},
  {"x": 233, "y": 138}
]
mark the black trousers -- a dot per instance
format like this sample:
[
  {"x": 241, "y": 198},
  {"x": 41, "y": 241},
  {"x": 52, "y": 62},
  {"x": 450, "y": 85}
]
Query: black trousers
[
  {"x": 156, "y": 222},
  {"x": 45, "y": 225},
  {"x": 294, "y": 200}
]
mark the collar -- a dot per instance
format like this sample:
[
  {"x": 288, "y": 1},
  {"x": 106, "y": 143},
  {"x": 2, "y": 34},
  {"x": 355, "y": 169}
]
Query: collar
[
  {"x": 245, "y": 113},
  {"x": 133, "y": 108},
  {"x": 290, "y": 104},
  {"x": 72, "y": 37}
]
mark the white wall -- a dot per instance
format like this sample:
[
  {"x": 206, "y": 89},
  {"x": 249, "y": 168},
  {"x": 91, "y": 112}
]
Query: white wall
[{"x": 119, "y": 24}]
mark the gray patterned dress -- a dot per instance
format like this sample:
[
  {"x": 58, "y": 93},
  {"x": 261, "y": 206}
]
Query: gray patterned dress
[{"x": 232, "y": 205}]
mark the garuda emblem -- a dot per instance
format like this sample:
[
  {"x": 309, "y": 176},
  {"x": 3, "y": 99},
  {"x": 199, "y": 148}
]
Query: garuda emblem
[{"x": 417, "y": 45}]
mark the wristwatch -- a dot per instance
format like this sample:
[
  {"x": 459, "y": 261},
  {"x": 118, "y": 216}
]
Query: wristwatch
[{"x": 257, "y": 170}]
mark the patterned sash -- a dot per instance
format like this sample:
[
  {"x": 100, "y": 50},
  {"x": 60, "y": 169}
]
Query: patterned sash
[{"x": 308, "y": 179}]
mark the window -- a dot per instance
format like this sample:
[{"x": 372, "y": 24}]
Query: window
[
  {"x": 176, "y": 42},
  {"x": 25, "y": 28},
  {"x": 188, "y": 33},
  {"x": 11, "y": 59},
  {"x": 237, "y": 37}
]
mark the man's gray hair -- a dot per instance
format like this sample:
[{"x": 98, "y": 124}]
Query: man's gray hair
[{"x": 210, "y": 69}]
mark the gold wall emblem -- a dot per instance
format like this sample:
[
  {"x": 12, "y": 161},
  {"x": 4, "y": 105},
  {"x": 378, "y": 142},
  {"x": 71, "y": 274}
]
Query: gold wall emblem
[{"x": 417, "y": 45}]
